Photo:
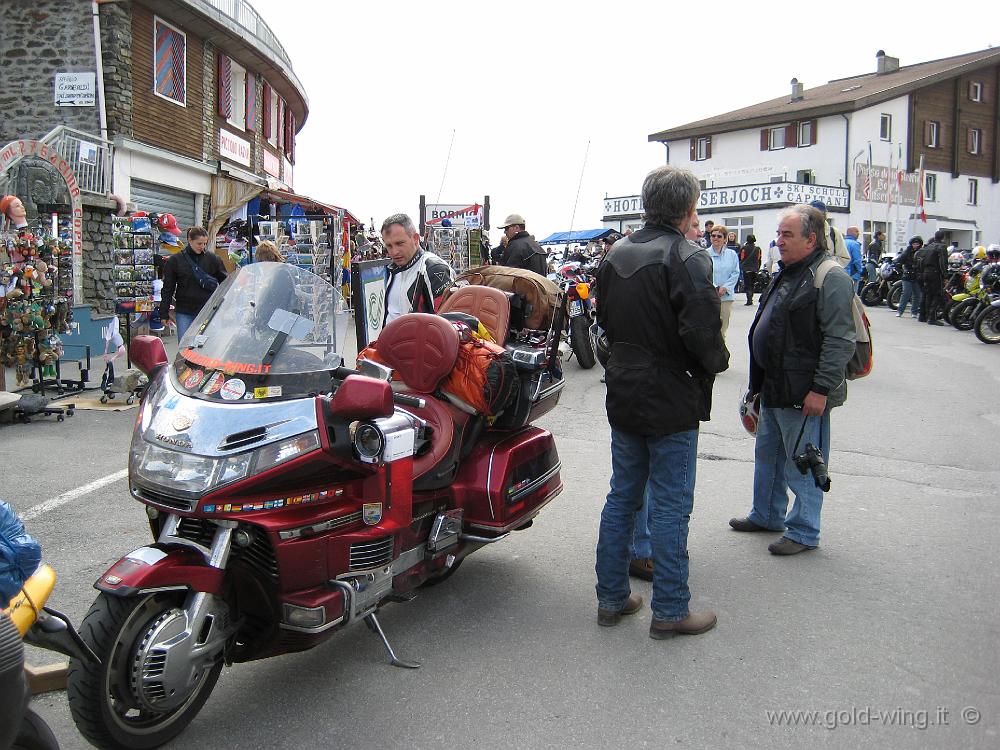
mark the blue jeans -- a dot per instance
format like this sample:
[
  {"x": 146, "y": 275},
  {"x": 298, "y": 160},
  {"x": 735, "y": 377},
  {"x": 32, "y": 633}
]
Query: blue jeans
[
  {"x": 183, "y": 321},
  {"x": 662, "y": 469},
  {"x": 642, "y": 548},
  {"x": 911, "y": 291},
  {"x": 774, "y": 473}
]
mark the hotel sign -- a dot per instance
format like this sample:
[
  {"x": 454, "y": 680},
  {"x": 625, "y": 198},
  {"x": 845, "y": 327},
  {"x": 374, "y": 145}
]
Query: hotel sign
[
  {"x": 761, "y": 195},
  {"x": 773, "y": 194}
]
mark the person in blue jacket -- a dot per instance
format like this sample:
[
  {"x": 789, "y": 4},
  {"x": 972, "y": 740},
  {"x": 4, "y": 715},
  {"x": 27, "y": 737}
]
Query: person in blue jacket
[
  {"x": 856, "y": 266},
  {"x": 726, "y": 271}
]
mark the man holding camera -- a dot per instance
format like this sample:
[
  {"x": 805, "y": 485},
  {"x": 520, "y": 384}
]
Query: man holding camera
[{"x": 800, "y": 343}]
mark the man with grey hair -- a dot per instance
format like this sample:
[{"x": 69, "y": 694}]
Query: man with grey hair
[
  {"x": 660, "y": 310},
  {"x": 415, "y": 278},
  {"x": 801, "y": 340}
]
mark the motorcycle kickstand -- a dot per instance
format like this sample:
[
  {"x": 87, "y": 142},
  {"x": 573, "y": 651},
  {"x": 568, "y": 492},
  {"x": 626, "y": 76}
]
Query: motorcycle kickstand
[{"x": 373, "y": 625}]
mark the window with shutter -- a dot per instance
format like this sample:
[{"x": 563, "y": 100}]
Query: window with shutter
[
  {"x": 708, "y": 147},
  {"x": 765, "y": 139},
  {"x": 251, "y": 99},
  {"x": 814, "y": 131},
  {"x": 694, "y": 150},
  {"x": 279, "y": 125},
  {"x": 791, "y": 133},
  {"x": 169, "y": 62},
  {"x": 237, "y": 95},
  {"x": 225, "y": 87},
  {"x": 266, "y": 106}
]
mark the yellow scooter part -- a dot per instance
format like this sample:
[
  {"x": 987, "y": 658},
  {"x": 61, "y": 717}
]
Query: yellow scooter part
[{"x": 23, "y": 608}]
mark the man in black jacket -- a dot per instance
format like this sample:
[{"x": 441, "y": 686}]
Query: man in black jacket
[
  {"x": 181, "y": 285},
  {"x": 932, "y": 262},
  {"x": 660, "y": 310},
  {"x": 522, "y": 251}
]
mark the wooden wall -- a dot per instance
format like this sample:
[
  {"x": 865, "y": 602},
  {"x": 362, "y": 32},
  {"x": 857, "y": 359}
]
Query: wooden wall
[{"x": 155, "y": 120}]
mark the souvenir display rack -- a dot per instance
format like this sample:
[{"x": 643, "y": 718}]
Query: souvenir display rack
[
  {"x": 35, "y": 306},
  {"x": 134, "y": 270},
  {"x": 458, "y": 246}
]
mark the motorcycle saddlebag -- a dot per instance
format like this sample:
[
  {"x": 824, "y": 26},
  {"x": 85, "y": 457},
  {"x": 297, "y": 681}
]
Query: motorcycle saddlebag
[{"x": 507, "y": 479}]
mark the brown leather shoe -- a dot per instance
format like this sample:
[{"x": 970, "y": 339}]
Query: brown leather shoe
[
  {"x": 786, "y": 546},
  {"x": 745, "y": 524},
  {"x": 608, "y": 617},
  {"x": 694, "y": 624},
  {"x": 641, "y": 567}
]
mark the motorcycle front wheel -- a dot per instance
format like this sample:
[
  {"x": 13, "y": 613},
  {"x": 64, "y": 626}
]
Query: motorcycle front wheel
[
  {"x": 870, "y": 295},
  {"x": 579, "y": 339},
  {"x": 895, "y": 292},
  {"x": 103, "y": 698},
  {"x": 963, "y": 315},
  {"x": 988, "y": 326}
]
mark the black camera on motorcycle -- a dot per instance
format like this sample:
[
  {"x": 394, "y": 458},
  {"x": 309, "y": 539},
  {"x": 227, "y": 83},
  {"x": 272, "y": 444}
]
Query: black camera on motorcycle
[{"x": 811, "y": 460}]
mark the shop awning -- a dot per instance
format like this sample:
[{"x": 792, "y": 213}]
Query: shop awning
[
  {"x": 582, "y": 235},
  {"x": 274, "y": 195}
]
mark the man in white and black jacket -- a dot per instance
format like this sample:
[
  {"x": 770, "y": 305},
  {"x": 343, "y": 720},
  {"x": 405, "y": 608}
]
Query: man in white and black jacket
[{"x": 416, "y": 278}]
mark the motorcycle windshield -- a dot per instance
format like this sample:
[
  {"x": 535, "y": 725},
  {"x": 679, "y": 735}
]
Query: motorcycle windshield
[{"x": 268, "y": 331}]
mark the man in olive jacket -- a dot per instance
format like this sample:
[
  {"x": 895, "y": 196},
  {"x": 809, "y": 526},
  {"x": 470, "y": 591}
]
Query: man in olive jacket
[
  {"x": 660, "y": 310},
  {"x": 800, "y": 343}
]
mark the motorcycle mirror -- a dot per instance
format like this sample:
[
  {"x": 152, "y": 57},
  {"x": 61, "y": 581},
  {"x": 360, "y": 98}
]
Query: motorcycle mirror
[
  {"x": 147, "y": 353},
  {"x": 362, "y": 397}
]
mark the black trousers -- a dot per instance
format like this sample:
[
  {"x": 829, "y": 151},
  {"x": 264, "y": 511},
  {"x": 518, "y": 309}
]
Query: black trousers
[
  {"x": 934, "y": 298},
  {"x": 749, "y": 281}
]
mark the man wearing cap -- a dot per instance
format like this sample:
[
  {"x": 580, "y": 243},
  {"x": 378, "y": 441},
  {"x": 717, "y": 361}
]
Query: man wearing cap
[
  {"x": 522, "y": 251},
  {"x": 834, "y": 240}
]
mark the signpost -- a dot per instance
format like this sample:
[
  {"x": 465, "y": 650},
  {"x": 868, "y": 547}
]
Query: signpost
[{"x": 75, "y": 89}]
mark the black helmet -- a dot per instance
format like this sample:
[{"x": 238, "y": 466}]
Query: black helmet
[{"x": 602, "y": 347}]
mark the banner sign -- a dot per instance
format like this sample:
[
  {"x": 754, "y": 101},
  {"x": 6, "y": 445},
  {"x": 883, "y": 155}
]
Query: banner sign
[
  {"x": 902, "y": 187},
  {"x": 459, "y": 215}
]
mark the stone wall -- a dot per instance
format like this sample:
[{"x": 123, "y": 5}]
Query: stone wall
[
  {"x": 98, "y": 260},
  {"x": 116, "y": 45},
  {"x": 41, "y": 38}
]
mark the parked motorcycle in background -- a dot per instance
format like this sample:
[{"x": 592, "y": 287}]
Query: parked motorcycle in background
[
  {"x": 576, "y": 280},
  {"x": 888, "y": 276}
]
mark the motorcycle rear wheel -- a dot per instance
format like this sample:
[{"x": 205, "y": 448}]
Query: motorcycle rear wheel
[
  {"x": 579, "y": 339},
  {"x": 870, "y": 295},
  {"x": 100, "y": 696},
  {"x": 963, "y": 315},
  {"x": 987, "y": 326}
]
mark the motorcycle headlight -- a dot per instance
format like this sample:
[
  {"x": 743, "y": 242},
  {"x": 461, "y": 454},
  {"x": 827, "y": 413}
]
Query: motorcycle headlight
[
  {"x": 185, "y": 472},
  {"x": 285, "y": 450}
]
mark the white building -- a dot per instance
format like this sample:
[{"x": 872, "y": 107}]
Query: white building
[{"x": 815, "y": 144}]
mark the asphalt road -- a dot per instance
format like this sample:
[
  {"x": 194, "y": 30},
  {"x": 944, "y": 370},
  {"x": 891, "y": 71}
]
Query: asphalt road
[{"x": 886, "y": 636}]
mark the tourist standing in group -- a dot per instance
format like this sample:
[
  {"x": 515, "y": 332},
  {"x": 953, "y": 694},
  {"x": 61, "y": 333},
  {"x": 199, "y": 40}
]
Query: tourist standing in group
[
  {"x": 773, "y": 256},
  {"x": 660, "y": 312},
  {"x": 932, "y": 261},
  {"x": 189, "y": 278},
  {"x": 522, "y": 251},
  {"x": 855, "y": 268},
  {"x": 726, "y": 272},
  {"x": 912, "y": 293},
  {"x": 749, "y": 266},
  {"x": 800, "y": 343},
  {"x": 703, "y": 241}
]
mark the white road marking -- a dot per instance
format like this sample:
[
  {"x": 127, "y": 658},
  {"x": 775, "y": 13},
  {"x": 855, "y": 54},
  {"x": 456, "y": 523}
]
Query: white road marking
[{"x": 66, "y": 497}]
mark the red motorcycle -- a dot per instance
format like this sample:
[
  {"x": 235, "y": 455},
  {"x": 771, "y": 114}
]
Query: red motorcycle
[
  {"x": 290, "y": 497},
  {"x": 576, "y": 282}
]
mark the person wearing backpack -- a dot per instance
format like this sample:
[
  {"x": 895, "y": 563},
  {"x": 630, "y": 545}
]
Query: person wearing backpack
[
  {"x": 189, "y": 278},
  {"x": 801, "y": 341}
]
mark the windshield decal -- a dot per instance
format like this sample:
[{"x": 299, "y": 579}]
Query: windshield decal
[
  {"x": 227, "y": 367},
  {"x": 296, "y": 326}
]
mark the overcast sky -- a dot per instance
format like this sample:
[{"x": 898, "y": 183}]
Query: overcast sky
[{"x": 526, "y": 85}]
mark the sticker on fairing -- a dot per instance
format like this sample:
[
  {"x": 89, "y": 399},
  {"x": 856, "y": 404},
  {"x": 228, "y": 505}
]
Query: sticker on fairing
[
  {"x": 269, "y": 391},
  {"x": 193, "y": 380},
  {"x": 233, "y": 389},
  {"x": 213, "y": 383},
  {"x": 371, "y": 513}
]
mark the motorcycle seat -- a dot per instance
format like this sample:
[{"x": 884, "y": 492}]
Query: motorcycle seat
[
  {"x": 421, "y": 348},
  {"x": 489, "y": 305}
]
